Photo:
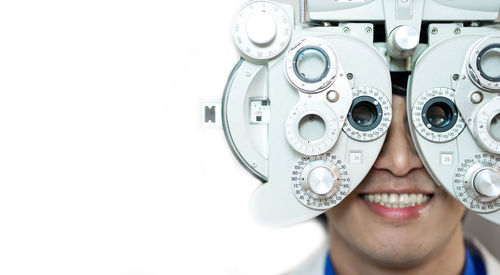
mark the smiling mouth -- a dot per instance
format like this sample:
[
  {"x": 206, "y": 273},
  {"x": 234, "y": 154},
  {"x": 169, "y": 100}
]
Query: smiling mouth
[{"x": 395, "y": 200}]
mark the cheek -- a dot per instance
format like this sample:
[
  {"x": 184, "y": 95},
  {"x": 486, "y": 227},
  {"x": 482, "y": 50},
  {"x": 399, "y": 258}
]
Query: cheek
[
  {"x": 346, "y": 220},
  {"x": 448, "y": 212}
]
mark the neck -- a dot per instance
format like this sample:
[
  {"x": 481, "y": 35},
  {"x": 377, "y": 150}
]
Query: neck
[{"x": 447, "y": 258}]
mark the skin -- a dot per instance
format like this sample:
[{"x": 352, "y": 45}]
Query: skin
[{"x": 363, "y": 242}]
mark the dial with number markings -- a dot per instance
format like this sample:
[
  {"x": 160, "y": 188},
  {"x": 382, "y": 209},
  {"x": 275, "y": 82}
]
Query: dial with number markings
[
  {"x": 262, "y": 30},
  {"x": 467, "y": 182},
  {"x": 312, "y": 147},
  {"x": 320, "y": 182},
  {"x": 444, "y": 98},
  {"x": 382, "y": 115}
]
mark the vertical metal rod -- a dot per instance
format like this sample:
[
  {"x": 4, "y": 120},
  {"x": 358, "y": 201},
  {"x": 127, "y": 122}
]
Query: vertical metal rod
[{"x": 303, "y": 11}]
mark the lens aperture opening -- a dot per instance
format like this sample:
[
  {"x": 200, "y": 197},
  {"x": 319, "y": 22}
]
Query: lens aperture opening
[
  {"x": 495, "y": 127},
  {"x": 439, "y": 114},
  {"x": 365, "y": 113},
  {"x": 488, "y": 62},
  {"x": 311, "y": 64},
  {"x": 312, "y": 127}
]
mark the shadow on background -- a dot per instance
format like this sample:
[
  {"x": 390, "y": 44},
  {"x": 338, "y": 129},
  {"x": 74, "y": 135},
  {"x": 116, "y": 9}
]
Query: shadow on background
[{"x": 487, "y": 232}]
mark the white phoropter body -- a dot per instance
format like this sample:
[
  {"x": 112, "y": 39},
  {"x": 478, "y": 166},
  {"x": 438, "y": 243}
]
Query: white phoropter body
[
  {"x": 308, "y": 162},
  {"x": 307, "y": 108},
  {"x": 459, "y": 150}
]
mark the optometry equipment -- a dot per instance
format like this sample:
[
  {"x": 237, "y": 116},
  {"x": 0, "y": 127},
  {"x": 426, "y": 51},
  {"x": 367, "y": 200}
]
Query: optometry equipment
[{"x": 307, "y": 108}]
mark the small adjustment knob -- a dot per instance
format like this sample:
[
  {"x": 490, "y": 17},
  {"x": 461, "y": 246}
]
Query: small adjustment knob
[
  {"x": 487, "y": 183},
  {"x": 321, "y": 180}
]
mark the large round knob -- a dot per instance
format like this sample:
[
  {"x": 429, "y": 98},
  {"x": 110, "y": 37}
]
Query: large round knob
[
  {"x": 487, "y": 183},
  {"x": 261, "y": 28},
  {"x": 403, "y": 41},
  {"x": 321, "y": 180}
]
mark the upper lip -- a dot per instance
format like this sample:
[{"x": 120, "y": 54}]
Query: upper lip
[{"x": 383, "y": 182}]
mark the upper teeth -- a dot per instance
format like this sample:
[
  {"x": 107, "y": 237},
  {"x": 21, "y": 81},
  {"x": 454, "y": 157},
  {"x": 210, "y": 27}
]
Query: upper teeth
[{"x": 394, "y": 200}]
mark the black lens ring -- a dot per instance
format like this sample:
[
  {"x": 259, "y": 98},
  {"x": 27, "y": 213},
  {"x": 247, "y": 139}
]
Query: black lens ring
[
  {"x": 370, "y": 100},
  {"x": 480, "y": 68},
  {"x": 450, "y": 104},
  {"x": 296, "y": 58}
]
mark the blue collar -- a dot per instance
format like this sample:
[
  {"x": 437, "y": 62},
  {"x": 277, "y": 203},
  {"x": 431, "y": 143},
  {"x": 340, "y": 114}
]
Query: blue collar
[{"x": 474, "y": 265}]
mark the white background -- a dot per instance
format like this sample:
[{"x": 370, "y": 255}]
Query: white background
[{"x": 104, "y": 165}]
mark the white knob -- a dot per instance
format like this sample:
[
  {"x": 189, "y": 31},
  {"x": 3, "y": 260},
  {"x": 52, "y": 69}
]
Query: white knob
[
  {"x": 261, "y": 28},
  {"x": 321, "y": 180},
  {"x": 487, "y": 183}
]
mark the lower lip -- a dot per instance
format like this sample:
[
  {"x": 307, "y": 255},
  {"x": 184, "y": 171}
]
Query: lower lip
[{"x": 396, "y": 214}]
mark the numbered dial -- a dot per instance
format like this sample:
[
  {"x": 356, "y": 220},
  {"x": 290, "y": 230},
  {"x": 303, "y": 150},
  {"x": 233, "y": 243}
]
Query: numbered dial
[
  {"x": 436, "y": 117},
  {"x": 320, "y": 182},
  {"x": 262, "y": 30},
  {"x": 312, "y": 128},
  {"x": 370, "y": 114},
  {"x": 477, "y": 183}
]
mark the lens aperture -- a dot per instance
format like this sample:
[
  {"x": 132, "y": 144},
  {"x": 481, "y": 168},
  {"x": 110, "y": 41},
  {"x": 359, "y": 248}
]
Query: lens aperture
[
  {"x": 312, "y": 127},
  {"x": 489, "y": 62},
  {"x": 311, "y": 64},
  {"x": 439, "y": 114},
  {"x": 495, "y": 127},
  {"x": 364, "y": 114}
]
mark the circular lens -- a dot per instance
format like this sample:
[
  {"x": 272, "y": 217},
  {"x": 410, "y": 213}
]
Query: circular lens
[
  {"x": 312, "y": 127},
  {"x": 495, "y": 127},
  {"x": 364, "y": 114},
  {"x": 439, "y": 114},
  {"x": 311, "y": 64},
  {"x": 490, "y": 62}
]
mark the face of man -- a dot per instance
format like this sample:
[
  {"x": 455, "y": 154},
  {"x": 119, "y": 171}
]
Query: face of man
[{"x": 397, "y": 217}]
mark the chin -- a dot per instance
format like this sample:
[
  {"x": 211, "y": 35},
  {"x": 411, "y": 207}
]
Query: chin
[
  {"x": 379, "y": 235},
  {"x": 396, "y": 246}
]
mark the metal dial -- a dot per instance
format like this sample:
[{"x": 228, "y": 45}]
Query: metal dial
[
  {"x": 487, "y": 183},
  {"x": 262, "y": 30},
  {"x": 316, "y": 146},
  {"x": 476, "y": 183},
  {"x": 320, "y": 182},
  {"x": 421, "y": 119},
  {"x": 381, "y": 118}
]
